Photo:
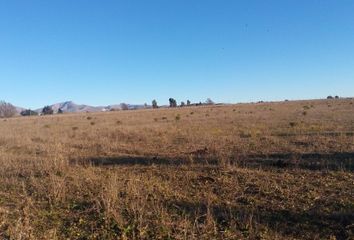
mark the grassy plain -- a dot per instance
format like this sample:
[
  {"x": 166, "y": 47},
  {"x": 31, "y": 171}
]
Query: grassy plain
[{"x": 248, "y": 171}]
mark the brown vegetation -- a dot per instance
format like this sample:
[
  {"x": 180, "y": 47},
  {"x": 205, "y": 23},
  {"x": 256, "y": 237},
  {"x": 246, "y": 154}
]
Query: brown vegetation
[{"x": 246, "y": 171}]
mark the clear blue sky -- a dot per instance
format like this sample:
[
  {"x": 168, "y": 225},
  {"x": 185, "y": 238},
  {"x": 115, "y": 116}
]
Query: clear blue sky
[{"x": 102, "y": 52}]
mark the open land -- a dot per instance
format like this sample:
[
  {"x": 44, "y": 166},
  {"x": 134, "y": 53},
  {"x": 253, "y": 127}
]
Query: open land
[{"x": 281, "y": 170}]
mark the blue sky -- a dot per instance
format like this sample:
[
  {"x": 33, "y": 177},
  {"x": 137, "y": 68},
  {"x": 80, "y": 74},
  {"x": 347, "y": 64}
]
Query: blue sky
[{"x": 110, "y": 51}]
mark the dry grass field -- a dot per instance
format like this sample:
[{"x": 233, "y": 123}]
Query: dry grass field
[{"x": 247, "y": 171}]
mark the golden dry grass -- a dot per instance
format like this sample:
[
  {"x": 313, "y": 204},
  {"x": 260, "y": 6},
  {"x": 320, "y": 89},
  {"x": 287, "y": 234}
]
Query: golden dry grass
[{"x": 248, "y": 171}]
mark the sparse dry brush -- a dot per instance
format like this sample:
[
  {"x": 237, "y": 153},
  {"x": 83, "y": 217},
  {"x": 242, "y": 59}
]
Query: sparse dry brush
[
  {"x": 214, "y": 172},
  {"x": 7, "y": 110}
]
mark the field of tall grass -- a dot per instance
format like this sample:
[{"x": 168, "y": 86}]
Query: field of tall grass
[{"x": 280, "y": 170}]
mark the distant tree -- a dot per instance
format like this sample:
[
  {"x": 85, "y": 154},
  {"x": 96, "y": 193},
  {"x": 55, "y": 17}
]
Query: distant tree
[
  {"x": 47, "y": 110},
  {"x": 188, "y": 103},
  {"x": 209, "y": 101},
  {"x": 124, "y": 106},
  {"x": 28, "y": 112},
  {"x": 145, "y": 105},
  {"x": 336, "y": 97},
  {"x": 60, "y": 111},
  {"x": 173, "y": 102},
  {"x": 329, "y": 97},
  {"x": 7, "y": 110},
  {"x": 183, "y": 104},
  {"x": 154, "y": 104}
]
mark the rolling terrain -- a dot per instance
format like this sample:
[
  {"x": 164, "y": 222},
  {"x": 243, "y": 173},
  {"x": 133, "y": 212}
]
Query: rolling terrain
[
  {"x": 71, "y": 107},
  {"x": 281, "y": 170}
]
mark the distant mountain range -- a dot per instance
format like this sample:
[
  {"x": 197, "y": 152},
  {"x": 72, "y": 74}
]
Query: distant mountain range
[
  {"x": 72, "y": 107},
  {"x": 19, "y": 109}
]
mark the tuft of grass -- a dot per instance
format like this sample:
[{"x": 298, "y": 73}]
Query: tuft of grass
[{"x": 292, "y": 124}]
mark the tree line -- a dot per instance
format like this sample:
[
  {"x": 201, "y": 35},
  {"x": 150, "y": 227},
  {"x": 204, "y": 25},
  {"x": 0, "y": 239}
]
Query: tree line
[
  {"x": 173, "y": 103},
  {"x": 8, "y": 110}
]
